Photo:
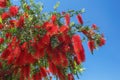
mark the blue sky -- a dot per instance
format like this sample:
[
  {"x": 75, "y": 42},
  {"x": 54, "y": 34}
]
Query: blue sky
[{"x": 104, "y": 64}]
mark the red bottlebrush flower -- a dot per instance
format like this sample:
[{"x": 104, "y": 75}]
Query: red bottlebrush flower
[
  {"x": 91, "y": 45},
  {"x": 37, "y": 76},
  {"x": 45, "y": 40},
  {"x": 1, "y": 26},
  {"x": 65, "y": 63},
  {"x": 77, "y": 60},
  {"x": 13, "y": 22},
  {"x": 5, "y": 54},
  {"x": 5, "y": 15},
  {"x": 63, "y": 29},
  {"x": 21, "y": 59},
  {"x": 15, "y": 41},
  {"x": 29, "y": 59},
  {"x": 13, "y": 10},
  {"x": 60, "y": 75},
  {"x": 52, "y": 68},
  {"x": 79, "y": 17},
  {"x": 56, "y": 57},
  {"x": 70, "y": 77},
  {"x": 46, "y": 25},
  {"x": 24, "y": 45},
  {"x": 64, "y": 60},
  {"x": 94, "y": 26},
  {"x": 10, "y": 59},
  {"x": 25, "y": 71},
  {"x": 37, "y": 54},
  {"x": 1, "y": 40},
  {"x": 67, "y": 19},
  {"x": 0, "y": 65},
  {"x": 20, "y": 22},
  {"x": 51, "y": 28},
  {"x": 8, "y": 35},
  {"x": 22, "y": 77},
  {"x": 43, "y": 72},
  {"x": 53, "y": 18},
  {"x": 64, "y": 38},
  {"x": 102, "y": 41},
  {"x": 78, "y": 47},
  {"x": 65, "y": 48},
  {"x": 17, "y": 51},
  {"x": 3, "y": 3},
  {"x": 42, "y": 53}
]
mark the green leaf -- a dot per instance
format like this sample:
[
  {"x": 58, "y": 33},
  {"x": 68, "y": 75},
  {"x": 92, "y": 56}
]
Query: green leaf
[
  {"x": 24, "y": 5},
  {"x": 56, "y": 5},
  {"x": 72, "y": 24},
  {"x": 31, "y": 2},
  {"x": 41, "y": 8},
  {"x": 82, "y": 10},
  {"x": 30, "y": 18},
  {"x": 0, "y": 19},
  {"x": 8, "y": 3}
]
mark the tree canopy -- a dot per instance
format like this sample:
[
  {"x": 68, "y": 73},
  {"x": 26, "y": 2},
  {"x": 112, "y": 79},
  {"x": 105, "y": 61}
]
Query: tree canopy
[{"x": 36, "y": 45}]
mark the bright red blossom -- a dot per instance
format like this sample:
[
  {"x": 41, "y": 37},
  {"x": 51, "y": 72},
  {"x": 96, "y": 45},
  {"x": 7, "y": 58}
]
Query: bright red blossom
[
  {"x": 5, "y": 15},
  {"x": 64, "y": 29},
  {"x": 25, "y": 71},
  {"x": 8, "y": 35},
  {"x": 0, "y": 65},
  {"x": 43, "y": 72},
  {"x": 77, "y": 60},
  {"x": 1, "y": 40},
  {"x": 13, "y": 10},
  {"x": 94, "y": 26},
  {"x": 53, "y": 18},
  {"x": 37, "y": 76},
  {"x": 52, "y": 68},
  {"x": 78, "y": 48},
  {"x": 20, "y": 22},
  {"x": 51, "y": 28},
  {"x": 70, "y": 77},
  {"x": 13, "y": 22},
  {"x": 101, "y": 41},
  {"x": 1, "y": 26},
  {"x": 5, "y": 54},
  {"x": 3, "y": 3},
  {"x": 67, "y": 19},
  {"x": 79, "y": 17},
  {"x": 91, "y": 45}
]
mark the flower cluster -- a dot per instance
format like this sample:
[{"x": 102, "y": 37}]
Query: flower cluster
[{"x": 34, "y": 45}]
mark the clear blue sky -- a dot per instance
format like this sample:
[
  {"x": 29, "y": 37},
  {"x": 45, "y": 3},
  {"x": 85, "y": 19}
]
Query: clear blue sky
[{"x": 104, "y": 64}]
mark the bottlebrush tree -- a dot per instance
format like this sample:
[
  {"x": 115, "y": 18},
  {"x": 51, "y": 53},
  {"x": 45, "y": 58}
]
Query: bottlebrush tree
[{"x": 36, "y": 45}]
